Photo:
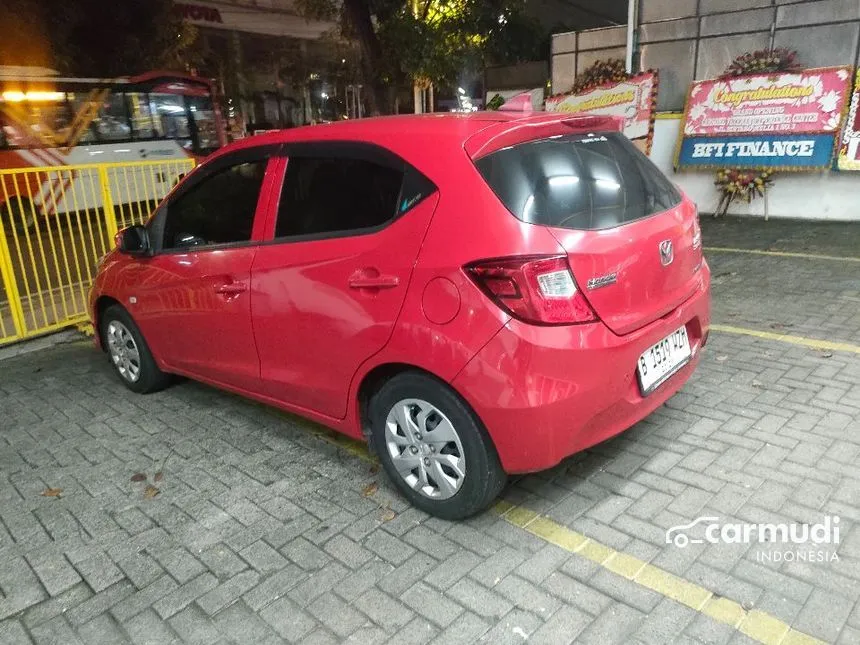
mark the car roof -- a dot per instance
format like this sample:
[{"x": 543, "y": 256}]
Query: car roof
[
  {"x": 454, "y": 125},
  {"x": 418, "y": 138}
]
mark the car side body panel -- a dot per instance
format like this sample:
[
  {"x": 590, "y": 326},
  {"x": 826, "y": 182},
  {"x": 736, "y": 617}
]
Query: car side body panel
[{"x": 319, "y": 314}]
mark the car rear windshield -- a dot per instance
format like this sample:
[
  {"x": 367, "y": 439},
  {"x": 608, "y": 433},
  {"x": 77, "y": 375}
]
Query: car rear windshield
[{"x": 582, "y": 182}]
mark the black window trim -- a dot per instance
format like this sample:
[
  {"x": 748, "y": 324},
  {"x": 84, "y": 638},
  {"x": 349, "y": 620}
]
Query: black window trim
[
  {"x": 347, "y": 149},
  {"x": 155, "y": 227}
]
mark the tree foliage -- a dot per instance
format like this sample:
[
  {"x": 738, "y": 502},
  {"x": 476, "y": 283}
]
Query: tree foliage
[
  {"x": 97, "y": 37},
  {"x": 437, "y": 41}
]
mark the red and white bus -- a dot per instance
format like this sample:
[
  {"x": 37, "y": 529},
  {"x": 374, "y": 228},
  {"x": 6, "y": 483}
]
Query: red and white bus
[{"x": 47, "y": 120}]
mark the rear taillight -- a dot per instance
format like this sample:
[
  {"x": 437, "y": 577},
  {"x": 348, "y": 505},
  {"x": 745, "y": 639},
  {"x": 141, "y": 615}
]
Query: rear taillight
[
  {"x": 538, "y": 290},
  {"x": 697, "y": 230}
]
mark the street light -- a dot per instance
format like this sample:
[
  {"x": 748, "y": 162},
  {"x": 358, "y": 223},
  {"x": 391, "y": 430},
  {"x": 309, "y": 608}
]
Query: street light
[{"x": 461, "y": 90}]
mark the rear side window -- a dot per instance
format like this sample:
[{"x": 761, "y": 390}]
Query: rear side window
[
  {"x": 331, "y": 194},
  {"x": 581, "y": 182}
]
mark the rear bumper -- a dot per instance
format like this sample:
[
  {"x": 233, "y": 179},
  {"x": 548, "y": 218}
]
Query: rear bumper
[{"x": 545, "y": 393}]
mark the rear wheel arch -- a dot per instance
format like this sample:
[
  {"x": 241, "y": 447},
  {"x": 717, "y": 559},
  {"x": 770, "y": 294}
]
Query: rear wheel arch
[
  {"x": 379, "y": 375},
  {"x": 371, "y": 383}
]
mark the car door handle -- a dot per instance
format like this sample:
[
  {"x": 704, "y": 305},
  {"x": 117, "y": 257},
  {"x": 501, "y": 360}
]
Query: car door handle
[
  {"x": 373, "y": 282},
  {"x": 231, "y": 288}
]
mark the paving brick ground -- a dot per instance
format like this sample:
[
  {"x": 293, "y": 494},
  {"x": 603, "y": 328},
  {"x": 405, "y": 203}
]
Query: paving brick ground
[{"x": 263, "y": 533}]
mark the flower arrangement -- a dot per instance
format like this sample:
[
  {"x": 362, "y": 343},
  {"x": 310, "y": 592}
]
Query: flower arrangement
[
  {"x": 739, "y": 184},
  {"x": 746, "y": 184},
  {"x": 602, "y": 72},
  {"x": 763, "y": 61}
]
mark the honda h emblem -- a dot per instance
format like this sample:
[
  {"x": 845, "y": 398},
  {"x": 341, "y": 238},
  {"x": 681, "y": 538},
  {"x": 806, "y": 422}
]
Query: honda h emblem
[{"x": 666, "y": 253}]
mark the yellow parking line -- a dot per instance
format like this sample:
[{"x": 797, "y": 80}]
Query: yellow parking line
[
  {"x": 347, "y": 444},
  {"x": 814, "y": 343},
  {"x": 782, "y": 254},
  {"x": 756, "y": 624}
]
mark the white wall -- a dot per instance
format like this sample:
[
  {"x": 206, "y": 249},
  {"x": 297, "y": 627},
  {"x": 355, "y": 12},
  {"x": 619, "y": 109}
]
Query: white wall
[{"x": 823, "y": 195}]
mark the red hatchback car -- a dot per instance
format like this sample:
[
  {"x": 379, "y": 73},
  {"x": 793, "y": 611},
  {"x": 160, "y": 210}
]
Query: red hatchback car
[{"x": 474, "y": 294}]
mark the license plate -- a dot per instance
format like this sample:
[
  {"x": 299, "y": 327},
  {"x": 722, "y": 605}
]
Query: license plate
[{"x": 660, "y": 361}]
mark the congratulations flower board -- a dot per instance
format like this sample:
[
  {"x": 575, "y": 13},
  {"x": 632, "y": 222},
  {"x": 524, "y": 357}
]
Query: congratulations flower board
[
  {"x": 632, "y": 99},
  {"x": 849, "y": 151},
  {"x": 785, "y": 120}
]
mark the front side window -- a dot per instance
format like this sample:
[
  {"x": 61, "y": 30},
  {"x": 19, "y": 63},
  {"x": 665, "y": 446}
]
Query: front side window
[
  {"x": 331, "y": 194},
  {"x": 583, "y": 182},
  {"x": 218, "y": 210}
]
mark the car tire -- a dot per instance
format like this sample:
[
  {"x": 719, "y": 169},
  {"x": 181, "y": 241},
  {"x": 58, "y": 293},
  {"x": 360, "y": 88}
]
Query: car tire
[
  {"x": 128, "y": 352},
  {"x": 456, "y": 472}
]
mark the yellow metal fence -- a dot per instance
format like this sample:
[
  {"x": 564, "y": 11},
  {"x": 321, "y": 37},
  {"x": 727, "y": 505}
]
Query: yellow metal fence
[{"x": 55, "y": 225}]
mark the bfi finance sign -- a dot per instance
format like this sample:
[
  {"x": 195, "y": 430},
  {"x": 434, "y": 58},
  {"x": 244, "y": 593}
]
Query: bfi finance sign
[
  {"x": 770, "y": 151},
  {"x": 788, "y": 121}
]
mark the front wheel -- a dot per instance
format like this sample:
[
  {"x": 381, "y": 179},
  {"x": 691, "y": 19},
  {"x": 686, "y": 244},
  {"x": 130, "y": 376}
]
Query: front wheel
[
  {"x": 433, "y": 447},
  {"x": 128, "y": 352}
]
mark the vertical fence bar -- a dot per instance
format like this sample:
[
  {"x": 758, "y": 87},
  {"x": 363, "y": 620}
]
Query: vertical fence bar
[
  {"x": 25, "y": 233},
  {"x": 42, "y": 267},
  {"x": 137, "y": 199},
  {"x": 51, "y": 219},
  {"x": 107, "y": 203},
  {"x": 10, "y": 285}
]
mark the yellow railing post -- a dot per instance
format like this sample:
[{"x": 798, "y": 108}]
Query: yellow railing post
[
  {"x": 10, "y": 285},
  {"x": 107, "y": 203}
]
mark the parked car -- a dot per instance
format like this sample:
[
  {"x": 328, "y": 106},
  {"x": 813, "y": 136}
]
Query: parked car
[{"x": 477, "y": 295}]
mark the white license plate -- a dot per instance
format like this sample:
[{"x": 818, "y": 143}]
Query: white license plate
[{"x": 660, "y": 361}]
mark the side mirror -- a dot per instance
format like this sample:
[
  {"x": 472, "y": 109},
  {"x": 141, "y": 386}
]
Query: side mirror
[{"x": 133, "y": 240}]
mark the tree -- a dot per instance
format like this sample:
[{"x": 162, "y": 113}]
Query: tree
[
  {"x": 98, "y": 37},
  {"x": 428, "y": 40}
]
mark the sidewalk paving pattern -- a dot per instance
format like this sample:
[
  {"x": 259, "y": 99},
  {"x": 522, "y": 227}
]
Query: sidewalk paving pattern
[{"x": 262, "y": 528}]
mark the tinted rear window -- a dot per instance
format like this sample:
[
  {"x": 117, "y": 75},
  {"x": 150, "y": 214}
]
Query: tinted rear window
[{"x": 581, "y": 182}]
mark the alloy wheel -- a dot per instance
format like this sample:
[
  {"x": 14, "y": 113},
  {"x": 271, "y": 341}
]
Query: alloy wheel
[
  {"x": 425, "y": 448},
  {"x": 123, "y": 351}
]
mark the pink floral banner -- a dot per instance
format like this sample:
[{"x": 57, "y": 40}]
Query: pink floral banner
[
  {"x": 814, "y": 100},
  {"x": 849, "y": 151},
  {"x": 632, "y": 99}
]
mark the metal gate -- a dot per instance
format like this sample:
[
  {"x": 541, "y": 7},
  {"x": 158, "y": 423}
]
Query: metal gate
[{"x": 57, "y": 223}]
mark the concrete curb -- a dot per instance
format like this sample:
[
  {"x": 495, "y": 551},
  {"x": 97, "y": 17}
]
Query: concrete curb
[{"x": 43, "y": 342}]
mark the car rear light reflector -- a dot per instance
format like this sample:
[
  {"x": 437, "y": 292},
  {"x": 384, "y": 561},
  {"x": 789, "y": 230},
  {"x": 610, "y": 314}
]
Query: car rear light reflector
[
  {"x": 535, "y": 289},
  {"x": 556, "y": 284},
  {"x": 697, "y": 230}
]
